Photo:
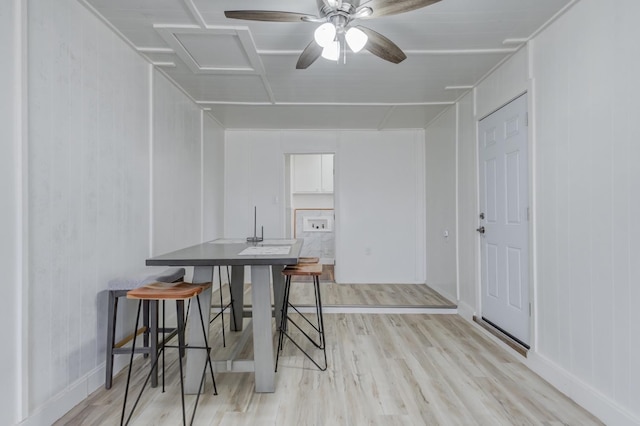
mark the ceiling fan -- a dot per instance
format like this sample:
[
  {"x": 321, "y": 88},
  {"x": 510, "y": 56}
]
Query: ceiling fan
[{"x": 338, "y": 30}]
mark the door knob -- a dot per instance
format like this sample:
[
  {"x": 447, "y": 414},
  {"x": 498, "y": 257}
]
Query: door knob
[{"x": 480, "y": 230}]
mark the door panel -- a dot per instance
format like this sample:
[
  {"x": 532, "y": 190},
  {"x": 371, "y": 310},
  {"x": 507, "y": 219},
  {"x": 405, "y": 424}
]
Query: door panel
[
  {"x": 513, "y": 188},
  {"x": 492, "y": 270},
  {"x": 504, "y": 195},
  {"x": 491, "y": 210},
  {"x": 514, "y": 274}
]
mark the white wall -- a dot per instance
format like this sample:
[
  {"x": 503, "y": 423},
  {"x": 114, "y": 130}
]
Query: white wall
[
  {"x": 104, "y": 131},
  {"x": 88, "y": 189},
  {"x": 588, "y": 203},
  {"x": 255, "y": 178},
  {"x": 468, "y": 221},
  {"x": 582, "y": 68},
  {"x": 503, "y": 85},
  {"x": 379, "y": 196},
  {"x": 379, "y": 191},
  {"x": 440, "y": 166},
  {"x": 10, "y": 215},
  {"x": 177, "y": 186},
  {"x": 213, "y": 180}
]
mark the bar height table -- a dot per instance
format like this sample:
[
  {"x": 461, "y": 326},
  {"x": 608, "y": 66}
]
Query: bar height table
[{"x": 265, "y": 255}]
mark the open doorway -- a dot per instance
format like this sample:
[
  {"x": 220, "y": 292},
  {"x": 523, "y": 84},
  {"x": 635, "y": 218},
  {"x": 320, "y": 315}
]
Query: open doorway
[{"x": 310, "y": 205}]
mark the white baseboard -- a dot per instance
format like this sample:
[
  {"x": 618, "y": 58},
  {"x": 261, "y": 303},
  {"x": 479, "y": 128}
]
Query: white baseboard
[
  {"x": 444, "y": 293},
  {"x": 466, "y": 311},
  {"x": 60, "y": 404},
  {"x": 604, "y": 408},
  {"x": 607, "y": 410},
  {"x": 74, "y": 394}
]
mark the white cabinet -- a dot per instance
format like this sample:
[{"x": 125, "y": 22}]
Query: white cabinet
[{"x": 312, "y": 173}]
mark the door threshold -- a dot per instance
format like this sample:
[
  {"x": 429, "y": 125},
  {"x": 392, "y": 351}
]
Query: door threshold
[{"x": 505, "y": 337}]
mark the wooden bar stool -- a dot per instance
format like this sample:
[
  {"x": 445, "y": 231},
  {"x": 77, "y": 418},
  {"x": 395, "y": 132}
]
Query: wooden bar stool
[
  {"x": 117, "y": 288},
  {"x": 178, "y": 292},
  {"x": 309, "y": 269}
]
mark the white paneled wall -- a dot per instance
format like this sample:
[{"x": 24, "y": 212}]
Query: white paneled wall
[
  {"x": 588, "y": 204},
  {"x": 212, "y": 180},
  {"x": 11, "y": 212},
  {"x": 254, "y": 178},
  {"x": 100, "y": 172},
  {"x": 440, "y": 169},
  {"x": 468, "y": 253},
  {"x": 503, "y": 85},
  {"x": 176, "y": 159},
  {"x": 586, "y": 185},
  {"x": 88, "y": 186},
  {"x": 379, "y": 196}
]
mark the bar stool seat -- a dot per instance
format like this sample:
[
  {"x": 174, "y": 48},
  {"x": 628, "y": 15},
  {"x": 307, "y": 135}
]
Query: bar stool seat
[
  {"x": 303, "y": 269},
  {"x": 178, "y": 292},
  {"x": 117, "y": 288}
]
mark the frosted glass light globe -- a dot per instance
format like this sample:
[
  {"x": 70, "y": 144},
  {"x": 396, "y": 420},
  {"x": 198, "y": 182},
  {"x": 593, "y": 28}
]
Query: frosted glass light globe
[
  {"x": 331, "y": 51},
  {"x": 325, "y": 34},
  {"x": 356, "y": 39}
]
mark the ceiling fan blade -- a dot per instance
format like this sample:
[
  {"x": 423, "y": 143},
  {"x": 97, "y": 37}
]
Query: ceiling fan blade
[
  {"x": 382, "y": 47},
  {"x": 393, "y": 7},
  {"x": 309, "y": 55},
  {"x": 268, "y": 15}
]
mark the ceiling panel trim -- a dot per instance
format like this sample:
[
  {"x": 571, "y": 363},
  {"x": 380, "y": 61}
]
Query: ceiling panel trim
[
  {"x": 171, "y": 35},
  {"x": 164, "y": 64},
  {"x": 356, "y": 104},
  {"x": 195, "y": 13},
  {"x": 433, "y": 52},
  {"x": 386, "y": 117},
  {"x": 154, "y": 50}
]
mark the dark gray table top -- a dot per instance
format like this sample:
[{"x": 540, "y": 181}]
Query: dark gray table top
[{"x": 226, "y": 252}]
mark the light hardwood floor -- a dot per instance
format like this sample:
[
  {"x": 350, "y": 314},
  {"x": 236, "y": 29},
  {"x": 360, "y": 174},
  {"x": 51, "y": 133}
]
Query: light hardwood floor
[
  {"x": 379, "y": 295},
  {"x": 409, "y": 295},
  {"x": 383, "y": 370}
]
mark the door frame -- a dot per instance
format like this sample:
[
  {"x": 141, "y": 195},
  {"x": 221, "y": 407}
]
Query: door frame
[
  {"x": 288, "y": 191},
  {"x": 531, "y": 162}
]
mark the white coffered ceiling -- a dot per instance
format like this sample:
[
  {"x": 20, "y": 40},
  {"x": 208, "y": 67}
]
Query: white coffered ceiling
[{"x": 244, "y": 72}]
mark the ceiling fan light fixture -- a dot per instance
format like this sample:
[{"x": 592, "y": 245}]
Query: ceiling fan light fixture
[
  {"x": 356, "y": 39},
  {"x": 331, "y": 51},
  {"x": 325, "y": 34}
]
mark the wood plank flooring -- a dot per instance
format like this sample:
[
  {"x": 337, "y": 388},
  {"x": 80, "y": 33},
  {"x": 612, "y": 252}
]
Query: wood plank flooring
[
  {"x": 383, "y": 370},
  {"x": 381, "y": 295}
]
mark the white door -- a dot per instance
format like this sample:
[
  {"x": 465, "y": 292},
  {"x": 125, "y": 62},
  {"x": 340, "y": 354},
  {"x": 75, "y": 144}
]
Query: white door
[{"x": 504, "y": 210}]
